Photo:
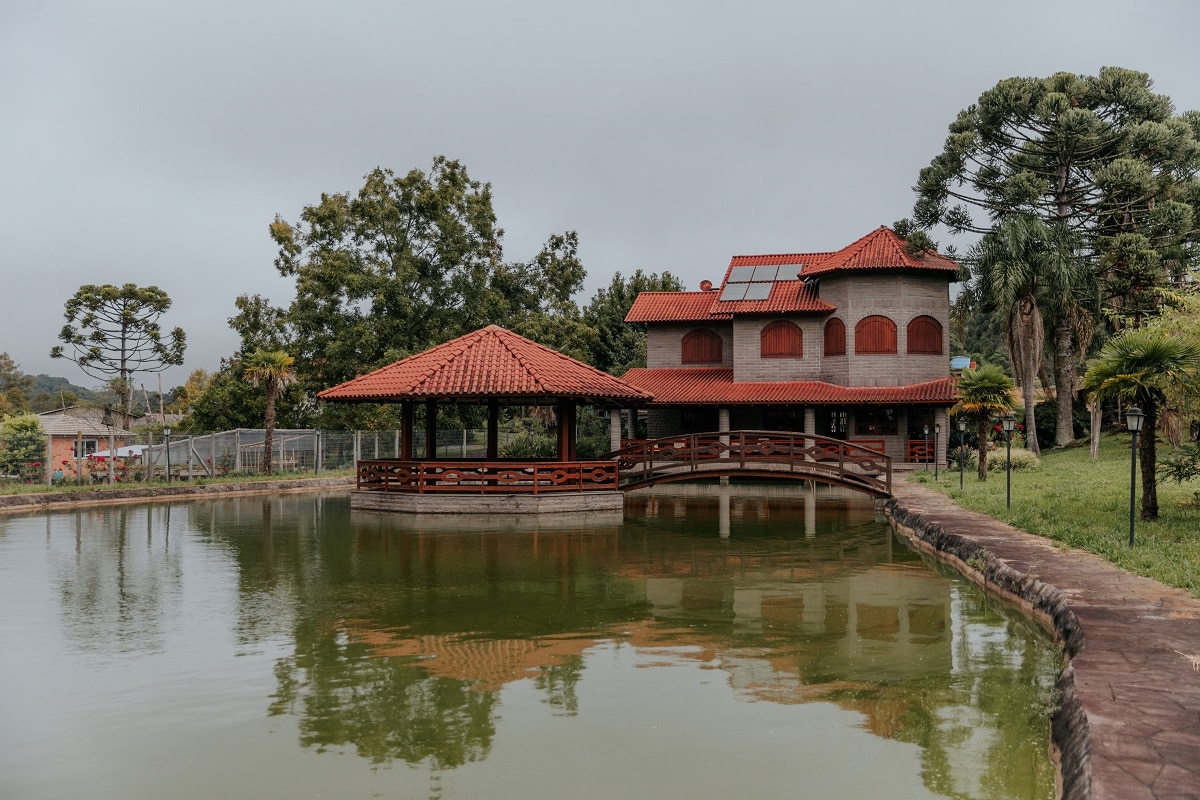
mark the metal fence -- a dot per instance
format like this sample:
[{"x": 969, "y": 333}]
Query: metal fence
[{"x": 296, "y": 451}]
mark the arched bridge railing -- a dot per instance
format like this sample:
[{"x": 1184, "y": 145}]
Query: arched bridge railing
[{"x": 802, "y": 456}]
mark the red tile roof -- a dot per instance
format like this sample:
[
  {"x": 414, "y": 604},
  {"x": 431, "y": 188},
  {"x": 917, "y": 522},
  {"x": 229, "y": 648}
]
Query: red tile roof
[
  {"x": 880, "y": 249},
  {"x": 786, "y": 297},
  {"x": 491, "y": 362},
  {"x": 674, "y": 307},
  {"x": 712, "y": 386}
]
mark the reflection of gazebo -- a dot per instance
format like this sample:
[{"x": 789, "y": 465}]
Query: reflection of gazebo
[{"x": 490, "y": 367}]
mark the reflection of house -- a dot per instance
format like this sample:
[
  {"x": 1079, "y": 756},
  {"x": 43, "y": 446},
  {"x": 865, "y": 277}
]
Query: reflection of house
[
  {"x": 851, "y": 344},
  {"x": 76, "y": 433}
]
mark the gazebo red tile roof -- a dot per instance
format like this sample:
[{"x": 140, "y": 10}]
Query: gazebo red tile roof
[
  {"x": 713, "y": 386},
  {"x": 490, "y": 362}
]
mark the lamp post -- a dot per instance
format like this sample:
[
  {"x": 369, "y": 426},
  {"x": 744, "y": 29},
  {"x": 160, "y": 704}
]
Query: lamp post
[
  {"x": 167, "y": 440},
  {"x": 1134, "y": 419},
  {"x": 1008, "y": 422},
  {"x": 937, "y": 450},
  {"x": 925, "y": 434},
  {"x": 962, "y": 450}
]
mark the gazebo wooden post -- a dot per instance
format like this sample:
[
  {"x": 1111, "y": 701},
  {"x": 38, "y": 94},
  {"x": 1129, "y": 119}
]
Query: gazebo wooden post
[
  {"x": 431, "y": 429},
  {"x": 406, "y": 430},
  {"x": 566, "y": 429},
  {"x": 493, "y": 429}
]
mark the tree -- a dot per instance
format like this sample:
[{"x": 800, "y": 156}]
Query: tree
[
  {"x": 15, "y": 387},
  {"x": 1020, "y": 267},
  {"x": 113, "y": 332},
  {"x": 273, "y": 369},
  {"x": 22, "y": 446},
  {"x": 1142, "y": 366},
  {"x": 408, "y": 262},
  {"x": 984, "y": 393},
  {"x": 1100, "y": 157},
  {"x": 621, "y": 346}
]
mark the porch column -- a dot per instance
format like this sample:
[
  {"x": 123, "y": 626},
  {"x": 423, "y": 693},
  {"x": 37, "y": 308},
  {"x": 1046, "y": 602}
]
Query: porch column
[
  {"x": 614, "y": 430},
  {"x": 565, "y": 411},
  {"x": 406, "y": 430},
  {"x": 431, "y": 429},
  {"x": 941, "y": 416},
  {"x": 493, "y": 428}
]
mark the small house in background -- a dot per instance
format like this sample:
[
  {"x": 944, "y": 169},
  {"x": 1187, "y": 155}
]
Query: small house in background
[{"x": 76, "y": 433}]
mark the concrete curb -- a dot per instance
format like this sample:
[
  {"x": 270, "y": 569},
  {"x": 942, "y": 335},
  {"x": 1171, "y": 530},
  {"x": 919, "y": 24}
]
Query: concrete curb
[{"x": 16, "y": 503}]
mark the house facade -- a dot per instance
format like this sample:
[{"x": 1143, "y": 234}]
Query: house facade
[{"x": 852, "y": 344}]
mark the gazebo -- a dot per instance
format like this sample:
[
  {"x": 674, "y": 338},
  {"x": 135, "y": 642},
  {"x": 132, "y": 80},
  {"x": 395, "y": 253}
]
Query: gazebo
[{"x": 491, "y": 366}]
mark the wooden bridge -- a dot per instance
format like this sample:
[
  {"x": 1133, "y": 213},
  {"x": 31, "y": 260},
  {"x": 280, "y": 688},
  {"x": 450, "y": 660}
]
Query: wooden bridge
[{"x": 757, "y": 454}]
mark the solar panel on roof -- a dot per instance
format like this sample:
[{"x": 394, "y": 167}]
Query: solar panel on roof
[
  {"x": 765, "y": 273},
  {"x": 741, "y": 275},
  {"x": 734, "y": 291},
  {"x": 758, "y": 291}
]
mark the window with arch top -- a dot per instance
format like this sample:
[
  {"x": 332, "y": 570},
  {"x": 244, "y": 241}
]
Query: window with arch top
[
  {"x": 781, "y": 339},
  {"x": 874, "y": 335},
  {"x": 835, "y": 337},
  {"x": 925, "y": 336},
  {"x": 701, "y": 346}
]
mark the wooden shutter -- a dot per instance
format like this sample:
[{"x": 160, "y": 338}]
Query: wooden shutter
[
  {"x": 835, "y": 337},
  {"x": 781, "y": 339},
  {"x": 874, "y": 335},
  {"x": 925, "y": 336},
  {"x": 701, "y": 347}
]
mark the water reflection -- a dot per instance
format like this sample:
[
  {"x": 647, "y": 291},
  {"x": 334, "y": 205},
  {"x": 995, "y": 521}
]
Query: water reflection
[{"x": 441, "y": 643}]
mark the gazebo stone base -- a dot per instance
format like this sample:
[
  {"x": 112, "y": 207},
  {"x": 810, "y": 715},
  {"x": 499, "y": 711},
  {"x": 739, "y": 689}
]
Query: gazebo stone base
[{"x": 555, "y": 503}]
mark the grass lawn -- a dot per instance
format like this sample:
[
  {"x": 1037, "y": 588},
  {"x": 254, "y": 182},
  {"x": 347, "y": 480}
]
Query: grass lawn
[
  {"x": 1084, "y": 504},
  {"x": 13, "y": 487}
]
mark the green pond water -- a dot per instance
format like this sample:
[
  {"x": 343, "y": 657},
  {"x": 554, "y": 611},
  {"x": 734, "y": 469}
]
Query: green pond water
[{"x": 744, "y": 641}]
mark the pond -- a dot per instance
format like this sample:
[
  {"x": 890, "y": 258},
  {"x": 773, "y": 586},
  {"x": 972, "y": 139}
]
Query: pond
[{"x": 713, "y": 642}]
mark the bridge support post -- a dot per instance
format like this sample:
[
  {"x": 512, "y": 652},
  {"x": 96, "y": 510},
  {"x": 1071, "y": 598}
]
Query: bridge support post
[
  {"x": 810, "y": 426},
  {"x": 723, "y": 429}
]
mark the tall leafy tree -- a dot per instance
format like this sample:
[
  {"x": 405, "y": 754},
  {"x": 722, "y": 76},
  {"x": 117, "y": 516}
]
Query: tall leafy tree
[
  {"x": 1101, "y": 157},
  {"x": 112, "y": 332},
  {"x": 408, "y": 262},
  {"x": 984, "y": 393},
  {"x": 1141, "y": 366},
  {"x": 273, "y": 370},
  {"x": 621, "y": 346}
]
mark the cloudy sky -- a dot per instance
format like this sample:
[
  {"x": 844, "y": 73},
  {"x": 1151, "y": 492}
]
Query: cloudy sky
[{"x": 152, "y": 141}]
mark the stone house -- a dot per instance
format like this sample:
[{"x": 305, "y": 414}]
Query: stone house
[{"x": 852, "y": 344}]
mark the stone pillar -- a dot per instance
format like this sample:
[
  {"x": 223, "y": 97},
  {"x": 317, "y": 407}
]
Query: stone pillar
[
  {"x": 723, "y": 428},
  {"x": 614, "y": 430}
]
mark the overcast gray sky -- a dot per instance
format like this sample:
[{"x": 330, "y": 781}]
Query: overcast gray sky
[{"x": 152, "y": 141}]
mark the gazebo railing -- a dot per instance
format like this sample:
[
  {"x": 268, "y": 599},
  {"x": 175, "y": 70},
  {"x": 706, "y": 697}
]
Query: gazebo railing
[{"x": 487, "y": 477}]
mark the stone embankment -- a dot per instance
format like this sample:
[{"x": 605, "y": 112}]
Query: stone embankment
[
  {"x": 55, "y": 500},
  {"x": 1128, "y": 724}
]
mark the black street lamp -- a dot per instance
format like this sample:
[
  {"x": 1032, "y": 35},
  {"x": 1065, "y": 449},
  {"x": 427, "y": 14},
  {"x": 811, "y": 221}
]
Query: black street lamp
[
  {"x": 1008, "y": 422},
  {"x": 167, "y": 440},
  {"x": 925, "y": 433},
  {"x": 937, "y": 450},
  {"x": 962, "y": 449},
  {"x": 1134, "y": 419}
]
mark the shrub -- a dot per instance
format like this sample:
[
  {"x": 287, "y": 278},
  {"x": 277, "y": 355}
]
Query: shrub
[
  {"x": 1021, "y": 460},
  {"x": 530, "y": 446}
]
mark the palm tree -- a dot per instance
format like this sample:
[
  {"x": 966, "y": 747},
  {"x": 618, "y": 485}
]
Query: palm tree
[
  {"x": 984, "y": 393},
  {"x": 1140, "y": 365},
  {"x": 273, "y": 369},
  {"x": 1024, "y": 267}
]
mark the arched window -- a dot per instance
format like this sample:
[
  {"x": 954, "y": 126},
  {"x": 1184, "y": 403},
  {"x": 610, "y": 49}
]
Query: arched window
[
  {"x": 925, "y": 336},
  {"x": 874, "y": 335},
  {"x": 701, "y": 346},
  {"x": 835, "y": 337},
  {"x": 781, "y": 339}
]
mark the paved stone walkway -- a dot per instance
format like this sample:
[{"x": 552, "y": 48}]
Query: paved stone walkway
[{"x": 1136, "y": 666}]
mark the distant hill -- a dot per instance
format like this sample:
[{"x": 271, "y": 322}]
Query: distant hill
[{"x": 48, "y": 392}]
